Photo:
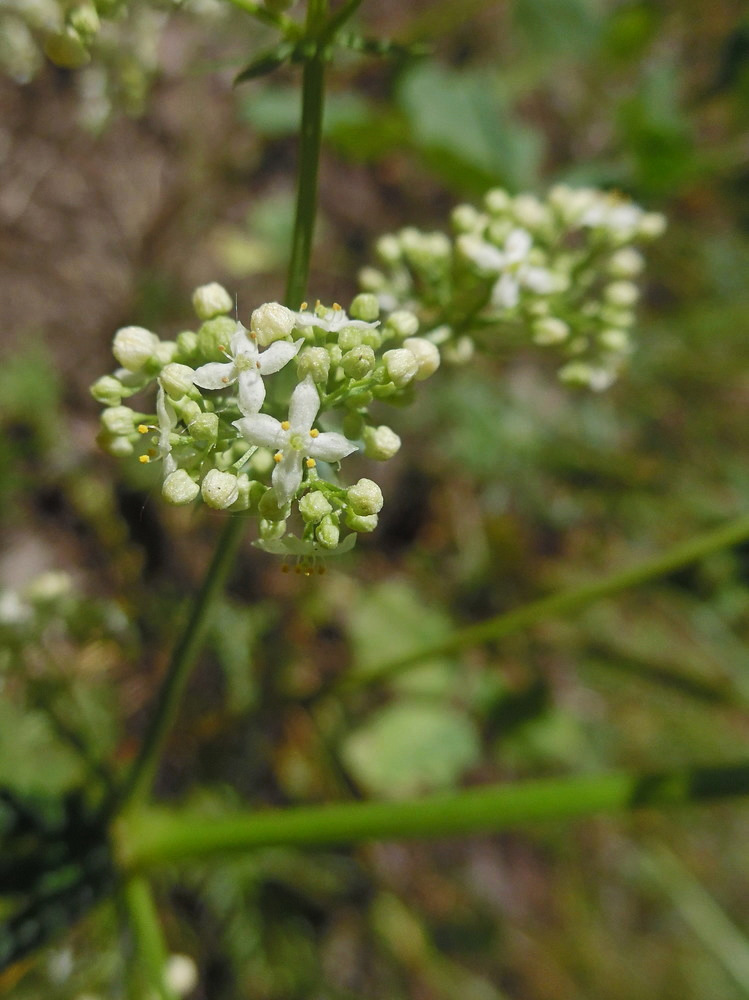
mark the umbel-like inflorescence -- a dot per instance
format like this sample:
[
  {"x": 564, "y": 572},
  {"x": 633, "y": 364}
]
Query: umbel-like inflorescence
[
  {"x": 259, "y": 420},
  {"x": 559, "y": 271}
]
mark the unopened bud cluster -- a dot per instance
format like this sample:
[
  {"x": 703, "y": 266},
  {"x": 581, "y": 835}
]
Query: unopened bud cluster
[
  {"x": 561, "y": 270},
  {"x": 257, "y": 419}
]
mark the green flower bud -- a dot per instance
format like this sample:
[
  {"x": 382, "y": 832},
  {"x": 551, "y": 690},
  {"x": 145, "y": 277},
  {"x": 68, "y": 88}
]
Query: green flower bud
[
  {"x": 107, "y": 390},
  {"x": 204, "y": 429},
  {"x": 401, "y": 366},
  {"x": 353, "y": 425},
  {"x": 365, "y": 498},
  {"x": 313, "y": 361},
  {"x": 118, "y": 447},
  {"x": 270, "y": 322},
  {"x": 187, "y": 409},
  {"x": 380, "y": 443},
  {"x": 365, "y": 307},
  {"x": 362, "y": 523},
  {"x": 187, "y": 345},
  {"x": 403, "y": 323},
  {"x": 270, "y": 530},
  {"x": 371, "y": 280},
  {"x": 179, "y": 488},
  {"x": 255, "y": 491},
  {"x": 550, "y": 330},
  {"x": 118, "y": 420},
  {"x": 243, "y": 493},
  {"x": 313, "y": 506},
  {"x": 166, "y": 352},
  {"x": 625, "y": 263},
  {"x": 621, "y": 294},
  {"x": 497, "y": 201},
  {"x": 459, "y": 353},
  {"x": 84, "y": 20},
  {"x": 335, "y": 353},
  {"x": 652, "y": 225},
  {"x": 328, "y": 533},
  {"x": 614, "y": 340},
  {"x": 214, "y": 337},
  {"x": 219, "y": 489},
  {"x": 67, "y": 49},
  {"x": 371, "y": 338},
  {"x": 177, "y": 380},
  {"x": 359, "y": 362},
  {"x": 349, "y": 338},
  {"x": 211, "y": 300},
  {"x": 467, "y": 219},
  {"x": 134, "y": 346},
  {"x": 426, "y": 354},
  {"x": 49, "y": 587},
  {"x": 388, "y": 249},
  {"x": 269, "y": 509}
]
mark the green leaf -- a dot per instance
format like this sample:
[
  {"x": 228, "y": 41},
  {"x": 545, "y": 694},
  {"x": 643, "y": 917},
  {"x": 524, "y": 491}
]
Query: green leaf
[
  {"x": 265, "y": 63},
  {"x": 411, "y": 747}
]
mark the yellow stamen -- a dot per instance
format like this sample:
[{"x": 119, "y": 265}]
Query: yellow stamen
[
  {"x": 144, "y": 459},
  {"x": 225, "y": 379},
  {"x": 143, "y": 429},
  {"x": 285, "y": 425},
  {"x": 278, "y": 456},
  {"x": 337, "y": 307},
  {"x": 314, "y": 433},
  {"x": 302, "y": 307},
  {"x": 310, "y": 463}
]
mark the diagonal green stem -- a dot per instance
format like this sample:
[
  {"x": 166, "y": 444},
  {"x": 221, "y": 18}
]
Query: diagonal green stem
[
  {"x": 556, "y": 605},
  {"x": 161, "y": 836},
  {"x": 149, "y": 970}
]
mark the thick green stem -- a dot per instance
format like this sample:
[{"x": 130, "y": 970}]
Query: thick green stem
[
  {"x": 557, "y": 605},
  {"x": 150, "y": 951},
  {"x": 158, "y": 836}
]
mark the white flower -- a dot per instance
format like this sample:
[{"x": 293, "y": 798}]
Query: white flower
[
  {"x": 294, "y": 439},
  {"x": 247, "y": 365},
  {"x": 332, "y": 320}
]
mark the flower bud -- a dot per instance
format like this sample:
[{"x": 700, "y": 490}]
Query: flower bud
[
  {"x": 365, "y": 307},
  {"x": 269, "y": 530},
  {"x": 313, "y": 506},
  {"x": 380, "y": 443},
  {"x": 187, "y": 345},
  {"x": 187, "y": 409},
  {"x": 118, "y": 420},
  {"x": 401, "y": 366},
  {"x": 365, "y": 497},
  {"x": 118, "y": 447},
  {"x": 204, "y": 429},
  {"x": 214, "y": 337},
  {"x": 315, "y": 362},
  {"x": 550, "y": 330},
  {"x": 349, "y": 338},
  {"x": 269, "y": 509},
  {"x": 388, "y": 249},
  {"x": 219, "y": 489},
  {"x": 459, "y": 353},
  {"x": 363, "y": 523},
  {"x": 49, "y": 587},
  {"x": 166, "y": 352},
  {"x": 244, "y": 493},
  {"x": 270, "y": 322},
  {"x": 211, "y": 300},
  {"x": 621, "y": 294},
  {"x": 179, "y": 488},
  {"x": 177, "y": 380},
  {"x": 134, "y": 346},
  {"x": 107, "y": 390},
  {"x": 497, "y": 201},
  {"x": 625, "y": 263},
  {"x": 426, "y": 354},
  {"x": 359, "y": 362},
  {"x": 614, "y": 340},
  {"x": 402, "y": 323},
  {"x": 84, "y": 20},
  {"x": 328, "y": 533},
  {"x": 370, "y": 279},
  {"x": 652, "y": 225},
  {"x": 529, "y": 211},
  {"x": 67, "y": 49},
  {"x": 353, "y": 424},
  {"x": 467, "y": 219}
]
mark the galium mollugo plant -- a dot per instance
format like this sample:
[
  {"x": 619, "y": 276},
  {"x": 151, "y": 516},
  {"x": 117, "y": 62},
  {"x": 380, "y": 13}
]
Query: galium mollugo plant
[{"x": 258, "y": 421}]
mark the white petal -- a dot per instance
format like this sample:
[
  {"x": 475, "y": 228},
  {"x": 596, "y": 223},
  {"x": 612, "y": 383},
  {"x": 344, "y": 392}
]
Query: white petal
[
  {"x": 277, "y": 355},
  {"x": 517, "y": 245},
  {"x": 242, "y": 344},
  {"x": 305, "y": 402},
  {"x": 330, "y": 447},
  {"x": 506, "y": 292},
  {"x": 251, "y": 392},
  {"x": 287, "y": 476},
  {"x": 215, "y": 375},
  {"x": 538, "y": 279},
  {"x": 262, "y": 429}
]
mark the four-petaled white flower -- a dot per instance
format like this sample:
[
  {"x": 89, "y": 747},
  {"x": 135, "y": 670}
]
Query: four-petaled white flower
[
  {"x": 294, "y": 440},
  {"x": 333, "y": 320},
  {"x": 247, "y": 365},
  {"x": 512, "y": 265}
]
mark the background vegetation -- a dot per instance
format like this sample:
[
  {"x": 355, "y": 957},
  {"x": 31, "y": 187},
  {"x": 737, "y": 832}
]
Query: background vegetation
[{"x": 508, "y": 486}]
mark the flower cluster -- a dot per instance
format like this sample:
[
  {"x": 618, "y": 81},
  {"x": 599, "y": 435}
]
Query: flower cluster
[
  {"x": 258, "y": 419},
  {"x": 559, "y": 269}
]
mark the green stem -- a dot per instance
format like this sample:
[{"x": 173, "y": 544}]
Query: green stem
[
  {"x": 160, "y": 836},
  {"x": 557, "y": 605},
  {"x": 149, "y": 947},
  {"x": 285, "y": 24},
  {"x": 140, "y": 778},
  {"x": 310, "y": 140}
]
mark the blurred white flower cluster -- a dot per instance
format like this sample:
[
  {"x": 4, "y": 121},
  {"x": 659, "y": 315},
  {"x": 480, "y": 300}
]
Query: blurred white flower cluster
[
  {"x": 559, "y": 270},
  {"x": 124, "y": 34},
  {"x": 257, "y": 420}
]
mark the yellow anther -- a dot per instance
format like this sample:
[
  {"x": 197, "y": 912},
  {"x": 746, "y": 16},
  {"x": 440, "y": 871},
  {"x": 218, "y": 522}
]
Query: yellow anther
[
  {"x": 310, "y": 463},
  {"x": 143, "y": 429},
  {"x": 144, "y": 459},
  {"x": 337, "y": 307},
  {"x": 222, "y": 348},
  {"x": 302, "y": 307},
  {"x": 278, "y": 456},
  {"x": 285, "y": 425},
  {"x": 314, "y": 433},
  {"x": 225, "y": 379}
]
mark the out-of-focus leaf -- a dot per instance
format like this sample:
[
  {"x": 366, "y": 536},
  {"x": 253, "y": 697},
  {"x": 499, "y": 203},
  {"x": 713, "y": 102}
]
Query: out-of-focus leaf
[
  {"x": 569, "y": 26},
  {"x": 411, "y": 747},
  {"x": 462, "y": 124},
  {"x": 274, "y": 111},
  {"x": 265, "y": 63}
]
